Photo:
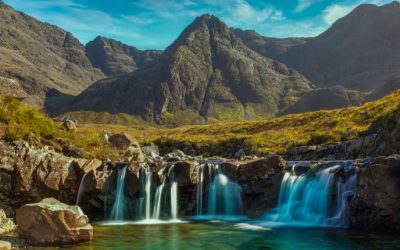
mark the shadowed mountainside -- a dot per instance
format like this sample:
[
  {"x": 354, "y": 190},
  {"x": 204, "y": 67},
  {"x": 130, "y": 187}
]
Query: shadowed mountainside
[
  {"x": 115, "y": 58},
  {"x": 361, "y": 51},
  {"x": 37, "y": 56},
  {"x": 207, "y": 72}
]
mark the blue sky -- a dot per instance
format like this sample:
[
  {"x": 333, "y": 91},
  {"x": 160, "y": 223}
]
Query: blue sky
[{"x": 155, "y": 24}]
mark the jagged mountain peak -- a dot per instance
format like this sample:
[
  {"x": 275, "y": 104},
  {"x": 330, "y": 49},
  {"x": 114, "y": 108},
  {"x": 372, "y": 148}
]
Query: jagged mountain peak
[{"x": 206, "y": 72}]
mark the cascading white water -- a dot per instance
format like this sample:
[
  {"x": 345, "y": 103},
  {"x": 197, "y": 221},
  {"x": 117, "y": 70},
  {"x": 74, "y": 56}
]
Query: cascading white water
[
  {"x": 224, "y": 197},
  {"x": 174, "y": 201},
  {"x": 199, "y": 193},
  {"x": 148, "y": 194},
  {"x": 158, "y": 199},
  {"x": 80, "y": 190},
  {"x": 118, "y": 209},
  {"x": 307, "y": 200}
]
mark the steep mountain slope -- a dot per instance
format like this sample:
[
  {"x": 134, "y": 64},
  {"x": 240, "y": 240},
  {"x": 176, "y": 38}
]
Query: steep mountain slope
[
  {"x": 36, "y": 57},
  {"x": 361, "y": 51},
  {"x": 206, "y": 72},
  {"x": 326, "y": 99},
  {"x": 115, "y": 58}
]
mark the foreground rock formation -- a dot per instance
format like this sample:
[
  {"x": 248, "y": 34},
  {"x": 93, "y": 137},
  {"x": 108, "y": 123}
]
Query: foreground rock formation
[
  {"x": 377, "y": 199},
  {"x": 51, "y": 222},
  {"x": 29, "y": 174}
]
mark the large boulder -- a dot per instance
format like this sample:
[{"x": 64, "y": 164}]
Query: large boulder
[
  {"x": 51, "y": 222},
  {"x": 181, "y": 172},
  {"x": 376, "y": 204},
  {"x": 6, "y": 224},
  {"x": 120, "y": 140},
  {"x": 260, "y": 181}
]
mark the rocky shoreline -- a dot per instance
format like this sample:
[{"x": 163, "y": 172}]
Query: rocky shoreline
[{"x": 29, "y": 175}]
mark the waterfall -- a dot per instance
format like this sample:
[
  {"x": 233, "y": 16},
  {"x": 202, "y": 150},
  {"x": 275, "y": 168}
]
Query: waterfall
[
  {"x": 80, "y": 190},
  {"x": 316, "y": 200},
  {"x": 174, "y": 200},
  {"x": 148, "y": 194},
  {"x": 224, "y": 196},
  {"x": 158, "y": 200},
  {"x": 117, "y": 212},
  {"x": 199, "y": 193}
]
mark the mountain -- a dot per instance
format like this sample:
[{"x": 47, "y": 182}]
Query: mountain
[
  {"x": 360, "y": 51},
  {"x": 36, "y": 57},
  {"x": 326, "y": 99},
  {"x": 207, "y": 72},
  {"x": 115, "y": 58}
]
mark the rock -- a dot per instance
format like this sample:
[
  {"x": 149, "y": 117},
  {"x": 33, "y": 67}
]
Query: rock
[
  {"x": 261, "y": 168},
  {"x": 120, "y": 141},
  {"x": 4, "y": 245},
  {"x": 88, "y": 165},
  {"x": 134, "y": 152},
  {"x": 73, "y": 151},
  {"x": 260, "y": 180},
  {"x": 51, "y": 222},
  {"x": 181, "y": 172},
  {"x": 240, "y": 154},
  {"x": 151, "y": 151},
  {"x": 69, "y": 125},
  {"x": 6, "y": 224},
  {"x": 376, "y": 204}
]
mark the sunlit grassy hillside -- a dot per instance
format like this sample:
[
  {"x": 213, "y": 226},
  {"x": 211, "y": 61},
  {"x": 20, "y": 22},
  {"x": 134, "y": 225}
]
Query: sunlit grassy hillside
[
  {"x": 21, "y": 122},
  {"x": 274, "y": 135},
  {"x": 18, "y": 121}
]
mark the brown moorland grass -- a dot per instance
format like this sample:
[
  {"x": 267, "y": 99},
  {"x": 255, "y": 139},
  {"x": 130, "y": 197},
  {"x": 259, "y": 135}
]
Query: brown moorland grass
[{"x": 273, "y": 135}]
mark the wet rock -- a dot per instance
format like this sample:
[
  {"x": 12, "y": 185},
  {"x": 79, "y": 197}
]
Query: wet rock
[
  {"x": 132, "y": 183},
  {"x": 181, "y": 172},
  {"x": 69, "y": 125},
  {"x": 51, "y": 222},
  {"x": 6, "y": 224},
  {"x": 4, "y": 245},
  {"x": 120, "y": 141},
  {"x": 260, "y": 181},
  {"x": 377, "y": 199},
  {"x": 261, "y": 169}
]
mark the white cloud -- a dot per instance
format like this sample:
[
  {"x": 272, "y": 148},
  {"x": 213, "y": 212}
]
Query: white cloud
[
  {"x": 304, "y": 4},
  {"x": 336, "y": 11}
]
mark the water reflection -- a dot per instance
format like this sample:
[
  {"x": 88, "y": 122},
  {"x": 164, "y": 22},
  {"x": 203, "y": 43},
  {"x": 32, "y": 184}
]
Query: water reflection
[{"x": 232, "y": 236}]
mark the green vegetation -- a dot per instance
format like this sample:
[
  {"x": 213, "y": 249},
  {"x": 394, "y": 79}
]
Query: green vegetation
[
  {"x": 276, "y": 135},
  {"x": 273, "y": 135},
  {"x": 20, "y": 122}
]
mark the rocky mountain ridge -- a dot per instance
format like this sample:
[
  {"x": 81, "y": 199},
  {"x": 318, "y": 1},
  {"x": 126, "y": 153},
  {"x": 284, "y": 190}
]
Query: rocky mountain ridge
[
  {"x": 115, "y": 58},
  {"x": 206, "y": 72}
]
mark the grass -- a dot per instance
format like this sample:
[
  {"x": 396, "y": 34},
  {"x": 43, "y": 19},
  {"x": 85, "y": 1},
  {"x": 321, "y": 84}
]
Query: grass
[
  {"x": 273, "y": 135},
  {"x": 18, "y": 121},
  {"x": 21, "y": 122}
]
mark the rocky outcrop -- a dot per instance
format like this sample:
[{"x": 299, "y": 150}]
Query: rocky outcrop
[
  {"x": 260, "y": 180},
  {"x": 29, "y": 174},
  {"x": 377, "y": 200},
  {"x": 51, "y": 222},
  {"x": 115, "y": 58}
]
